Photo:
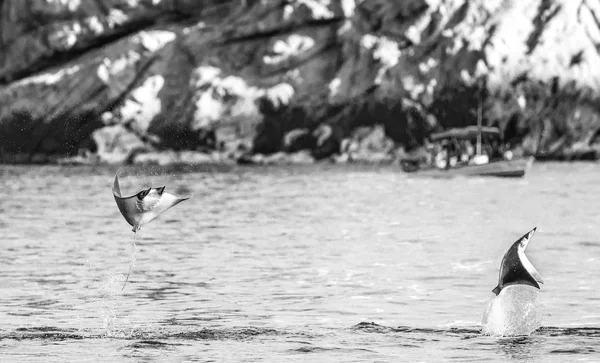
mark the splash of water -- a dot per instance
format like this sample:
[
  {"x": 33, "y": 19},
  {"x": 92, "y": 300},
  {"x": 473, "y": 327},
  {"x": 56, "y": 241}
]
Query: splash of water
[
  {"x": 134, "y": 250},
  {"x": 98, "y": 297},
  {"x": 516, "y": 311}
]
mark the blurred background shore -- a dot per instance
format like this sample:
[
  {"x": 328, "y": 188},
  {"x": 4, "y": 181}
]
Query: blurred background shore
[{"x": 255, "y": 81}]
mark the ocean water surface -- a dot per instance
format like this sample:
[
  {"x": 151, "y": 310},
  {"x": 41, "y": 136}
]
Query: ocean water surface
[{"x": 313, "y": 263}]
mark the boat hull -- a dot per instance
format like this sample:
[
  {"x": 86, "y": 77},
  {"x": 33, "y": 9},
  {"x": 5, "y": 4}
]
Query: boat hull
[{"x": 515, "y": 168}]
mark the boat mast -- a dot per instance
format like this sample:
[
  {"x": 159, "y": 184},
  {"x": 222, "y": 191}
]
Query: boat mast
[{"x": 479, "y": 120}]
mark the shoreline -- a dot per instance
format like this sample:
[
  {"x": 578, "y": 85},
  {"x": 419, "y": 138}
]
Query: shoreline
[{"x": 200, "y": 159}]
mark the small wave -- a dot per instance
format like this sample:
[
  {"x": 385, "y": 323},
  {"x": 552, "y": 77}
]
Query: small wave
[
  {"x": 475, "y": 266},
  {"x": 589, "y": 244},
  {"x": 316, "y": 349},
  {"x": 225, "y": 334},
  {"x": 38, "y": 329},
  {"x": 382, "y": 329},
  {"x": 310, "y": 349},
  {"x": 371, "y": 328},
  {"x": 580, "y": 332},
  {"x": 579, "y": 350},
  {"x": 152, "y": 344},
  {"x": 49, "y": 333},
  {"x": 469, "y": 332},
  {"x": 147, "y": 337}
]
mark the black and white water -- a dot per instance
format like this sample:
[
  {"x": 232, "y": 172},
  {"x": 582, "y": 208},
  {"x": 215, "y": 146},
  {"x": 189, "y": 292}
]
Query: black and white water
[{"x": 317, "y": 263}]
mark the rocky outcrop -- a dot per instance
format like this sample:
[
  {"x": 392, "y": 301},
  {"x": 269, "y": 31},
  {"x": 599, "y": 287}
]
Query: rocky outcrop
[
  {"x": 298, "y": 139},
  {"x": 130, "y": 80}
]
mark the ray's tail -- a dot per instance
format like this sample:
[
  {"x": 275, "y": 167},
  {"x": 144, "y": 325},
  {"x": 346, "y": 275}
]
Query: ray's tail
[{"x": 133, "y": 251}]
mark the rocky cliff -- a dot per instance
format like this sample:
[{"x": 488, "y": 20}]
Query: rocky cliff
[{"x": 127, "y": 80}]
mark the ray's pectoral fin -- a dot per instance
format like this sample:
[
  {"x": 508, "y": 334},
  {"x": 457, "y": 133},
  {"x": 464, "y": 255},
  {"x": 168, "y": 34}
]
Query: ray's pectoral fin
[
  {"x": 116, "y": 187},
  {"x": 535, "y": 274},
  {"x": 127, "y": 205},
  {"x": 166, "y": 201}
]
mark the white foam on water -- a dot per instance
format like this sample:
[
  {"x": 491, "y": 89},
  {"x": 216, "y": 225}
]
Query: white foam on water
[
  {"x": 100, "y": 297},
  {"x": 516, "y": 311}
]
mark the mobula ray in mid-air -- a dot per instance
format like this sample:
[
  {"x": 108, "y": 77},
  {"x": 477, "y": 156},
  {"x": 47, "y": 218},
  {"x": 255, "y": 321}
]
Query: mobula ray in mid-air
[{"x": 142, "y": 207}]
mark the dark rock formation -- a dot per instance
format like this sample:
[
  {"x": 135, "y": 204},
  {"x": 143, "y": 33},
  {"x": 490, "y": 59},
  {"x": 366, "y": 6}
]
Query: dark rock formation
[
  {"x": 119, "y": 78},
  {"x": 298, "y": 139},
  {"x": 327, "y": 141},
  {"x": 369, "y": 144}
]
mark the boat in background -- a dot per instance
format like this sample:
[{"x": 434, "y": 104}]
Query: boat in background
[
  {"x": 515, "y": 168},
  {"x": 479, "y": 164}
]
